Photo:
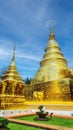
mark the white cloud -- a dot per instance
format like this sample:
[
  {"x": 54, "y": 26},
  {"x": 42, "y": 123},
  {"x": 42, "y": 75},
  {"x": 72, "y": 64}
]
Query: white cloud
[
  {"x": 6, "y": 50},
  {"x": 2, "y": 52},
  {"x": 26, "y": 68},
  {"x": 32, "y": 57},
  {"x": 26, "y": 22}
]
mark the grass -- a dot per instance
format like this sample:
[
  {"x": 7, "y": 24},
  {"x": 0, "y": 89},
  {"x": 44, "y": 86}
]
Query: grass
[
  {"x": 55, "y": 121},
  {"x": 13, "y": 126}
]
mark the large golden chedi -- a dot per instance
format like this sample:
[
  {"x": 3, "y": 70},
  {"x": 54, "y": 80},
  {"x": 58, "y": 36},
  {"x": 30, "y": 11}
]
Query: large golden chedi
[
  {"x": 12, "y": 88},
  {"x": 54, "y": 79},
  {"x": 52, "y": 82}
]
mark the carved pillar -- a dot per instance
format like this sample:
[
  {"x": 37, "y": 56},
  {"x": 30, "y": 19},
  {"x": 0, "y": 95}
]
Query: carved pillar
[
  {"x": 13, "y": 88},
  {"x": 0, "y": 88},
  {"x": 3, "y": 87}
]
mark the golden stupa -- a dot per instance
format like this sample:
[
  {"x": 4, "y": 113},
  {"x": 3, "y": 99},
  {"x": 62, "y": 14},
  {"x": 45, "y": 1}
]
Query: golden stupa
[
  {"x": 53, "y": 82},
  {"x": 54, "y": 79},
  {"x": 12, "y": 88}
]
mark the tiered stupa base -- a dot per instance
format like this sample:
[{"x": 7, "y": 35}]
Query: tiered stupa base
[
  {"x": 12, "y": 102},
  {"x": 50, "y": 105},
  {"x": 58, "y": 90}
]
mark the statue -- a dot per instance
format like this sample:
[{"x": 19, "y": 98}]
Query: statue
[{"x": 38, "y": 96}]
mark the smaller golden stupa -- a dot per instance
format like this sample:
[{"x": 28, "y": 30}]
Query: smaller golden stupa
[{"x": 12, "y": 88}]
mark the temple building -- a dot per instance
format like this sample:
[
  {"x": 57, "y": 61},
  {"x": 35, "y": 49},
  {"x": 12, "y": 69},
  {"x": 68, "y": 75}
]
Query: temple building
[
  {"x": 12, "y": 87},
  {"x": 54, "y": 79},
  {"x": 52, "y": 82}
]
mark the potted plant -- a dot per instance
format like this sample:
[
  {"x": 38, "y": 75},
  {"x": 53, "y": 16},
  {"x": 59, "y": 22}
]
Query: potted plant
[{"x": 41, "y": 113}]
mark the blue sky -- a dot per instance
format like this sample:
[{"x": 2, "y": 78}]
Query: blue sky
[{"x": 26, "y": 24}]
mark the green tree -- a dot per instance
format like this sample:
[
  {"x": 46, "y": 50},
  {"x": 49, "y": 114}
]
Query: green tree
[
  {"x": 2, "y": 71},
  {"x": 27, "y": 80}
]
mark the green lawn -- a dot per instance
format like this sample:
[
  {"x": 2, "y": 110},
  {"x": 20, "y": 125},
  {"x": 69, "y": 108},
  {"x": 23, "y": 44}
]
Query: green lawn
[
  {"x": 13, "y": 126},
  {"x": 55, "y": 121}
]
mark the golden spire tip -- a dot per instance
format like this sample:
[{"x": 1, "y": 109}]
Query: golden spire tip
[
  {"x": 51, "y": 27},
  {"x": 13, "y": 58},
  {"x": 52, "y": 36}
]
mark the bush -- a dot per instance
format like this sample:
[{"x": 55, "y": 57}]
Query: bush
[
  {"x": 3, "y": 122},
  {"x": 71, "y": 114}
]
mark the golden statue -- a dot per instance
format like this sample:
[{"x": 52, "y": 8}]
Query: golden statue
[{"x": 38, "y": 96}]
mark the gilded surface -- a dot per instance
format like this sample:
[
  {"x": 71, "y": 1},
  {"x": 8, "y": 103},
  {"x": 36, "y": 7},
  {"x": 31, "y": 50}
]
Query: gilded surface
[
  {"x": 12, "y": 88},
  {"x": 52, "y": 82},
  {"x": 54, "y": 76},
  {"x": 53, "y": 63}
]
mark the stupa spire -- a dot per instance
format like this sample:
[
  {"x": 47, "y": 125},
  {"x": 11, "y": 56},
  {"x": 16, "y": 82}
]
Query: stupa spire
[
  {"x": 52, "y": 35},
  {"x": 13, "y": 57}
]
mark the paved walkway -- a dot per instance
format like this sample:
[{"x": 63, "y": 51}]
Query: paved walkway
[
  {"x": 63, "y": 116},
  {"x": 33, "y": 113},
  {"x": 35, "y": 124},
  {"x": 40, "y": 125}
]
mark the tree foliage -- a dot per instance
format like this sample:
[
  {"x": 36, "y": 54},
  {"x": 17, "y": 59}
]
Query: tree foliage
[
  {"x": 27, "y": 80},
  {"x": 2, "y": 71}
]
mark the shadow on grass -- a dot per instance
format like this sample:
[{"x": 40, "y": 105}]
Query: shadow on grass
[{"x": 41, "y": 119}]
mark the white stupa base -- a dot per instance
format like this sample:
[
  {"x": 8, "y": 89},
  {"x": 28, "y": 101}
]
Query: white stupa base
[{"x": 4, "y": 113}]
